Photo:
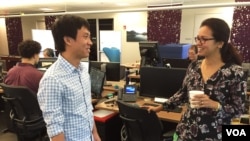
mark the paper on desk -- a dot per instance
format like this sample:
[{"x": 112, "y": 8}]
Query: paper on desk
[{"x": 102, "y": 113}]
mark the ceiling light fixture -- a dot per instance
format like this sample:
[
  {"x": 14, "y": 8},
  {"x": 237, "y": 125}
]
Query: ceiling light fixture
[
  {"x": 122, "y": 4},
  {"x": 46, "y": 9},
  {"x": 164, "y": 5},
  {"x": 138, "y": 9}
]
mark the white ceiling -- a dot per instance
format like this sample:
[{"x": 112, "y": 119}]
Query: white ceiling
[
  {"x": 29, "y": 7},
  {"x": 11, "y": 7}
]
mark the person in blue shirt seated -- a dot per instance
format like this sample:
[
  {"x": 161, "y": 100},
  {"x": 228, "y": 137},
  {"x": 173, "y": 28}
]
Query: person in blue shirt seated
[{"x": 64, "y": 93}]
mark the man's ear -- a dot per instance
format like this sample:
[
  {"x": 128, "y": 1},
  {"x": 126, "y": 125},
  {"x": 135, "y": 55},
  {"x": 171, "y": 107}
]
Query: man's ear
[{"x": 67, "y": 40}]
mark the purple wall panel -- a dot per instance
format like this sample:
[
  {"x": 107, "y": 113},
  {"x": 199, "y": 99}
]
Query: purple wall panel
[
  {"x": 240, "y": 36},
  {"x": 14, "y": 34},
  {"x": 164, "y": 26},
  {"x": 49, "y": 21}
]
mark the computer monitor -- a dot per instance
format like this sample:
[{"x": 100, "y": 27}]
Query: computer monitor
[
  {"x": 149, "y": 53},
  {"x": 46, "y": 62},
  {"x": 175, "y": 63},
  {"x": 112, "y": 69},
  {"x": 160, "y": 82},
  {"x": 97, "y": 81}
]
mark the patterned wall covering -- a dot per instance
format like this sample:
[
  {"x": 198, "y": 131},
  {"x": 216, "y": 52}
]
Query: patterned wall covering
[
  {"x": 240, "y": 36},
  {"x": 164, "y": 26},
  {"x": 14, "y": 34},
  {"x": 49, "y": 20}
]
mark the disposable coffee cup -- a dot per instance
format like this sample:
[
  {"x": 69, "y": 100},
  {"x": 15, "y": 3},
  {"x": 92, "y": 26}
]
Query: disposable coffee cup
[{"x": 192, "y": 93}]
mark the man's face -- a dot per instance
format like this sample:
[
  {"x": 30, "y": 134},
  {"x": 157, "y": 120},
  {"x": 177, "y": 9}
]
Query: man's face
[{"x": 81, "y": 45}]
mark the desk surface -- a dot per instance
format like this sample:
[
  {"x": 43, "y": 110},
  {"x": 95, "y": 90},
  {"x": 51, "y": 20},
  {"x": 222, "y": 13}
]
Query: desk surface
[
  {"x": 163, "y": 115},
  {"x": 132, "y": 66},
  {"x": 133, "y": 75}
]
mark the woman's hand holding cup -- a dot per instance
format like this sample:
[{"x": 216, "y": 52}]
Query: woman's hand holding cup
[{"x": 194, "y": 98}]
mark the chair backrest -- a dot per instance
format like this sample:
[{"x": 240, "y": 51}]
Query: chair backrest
[
  {"x": 23, "y": 102},
  {"x": 139, "y": 123},
  {"x": 112, "y": 53}
]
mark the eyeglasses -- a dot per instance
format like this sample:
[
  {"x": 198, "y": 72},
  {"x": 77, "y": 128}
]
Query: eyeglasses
[{"x": 202, "y": 40}]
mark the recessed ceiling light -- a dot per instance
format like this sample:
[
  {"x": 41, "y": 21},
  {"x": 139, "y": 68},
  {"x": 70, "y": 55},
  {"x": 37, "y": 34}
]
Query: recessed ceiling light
[
  {"x": 46, "y": 9},
  {"x": 122, "y": 4}
]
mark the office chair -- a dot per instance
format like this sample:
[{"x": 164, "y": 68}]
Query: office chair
[
  {"x": 112, "y": 53},
  {"x": 140, "y": 125},
  {"x": 25, "y": 114}
]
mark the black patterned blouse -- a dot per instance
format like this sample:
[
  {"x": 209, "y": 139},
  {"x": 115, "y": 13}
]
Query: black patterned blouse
[{"x": 227, "y": 86}]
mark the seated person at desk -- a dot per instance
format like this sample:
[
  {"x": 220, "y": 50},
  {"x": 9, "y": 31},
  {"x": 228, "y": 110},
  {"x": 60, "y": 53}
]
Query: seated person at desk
[
  {"x": 193, "y": 54},
  {"x": 25, "y": 72},
  {"x": 215, "y": 107},
  {"x": 48, "y": 52}
]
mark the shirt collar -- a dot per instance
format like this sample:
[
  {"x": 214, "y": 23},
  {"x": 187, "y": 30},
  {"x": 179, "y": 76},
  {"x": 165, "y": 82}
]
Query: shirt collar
[
  {"x": 69, "y": 66},
  {"x": 25, "y": 64}
]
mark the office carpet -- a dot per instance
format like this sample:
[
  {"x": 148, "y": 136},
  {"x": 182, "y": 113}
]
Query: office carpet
[{"x": 5, "y": 136}]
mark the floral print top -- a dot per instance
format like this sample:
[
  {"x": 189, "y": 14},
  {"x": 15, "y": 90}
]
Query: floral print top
[{"x": 228, "y": 86}]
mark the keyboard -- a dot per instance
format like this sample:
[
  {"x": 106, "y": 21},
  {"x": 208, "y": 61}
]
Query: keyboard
[
  {"x": 176, "y": 110},
  {"x": 160, "y": 100},
  {"x": 150, "y": 104}
]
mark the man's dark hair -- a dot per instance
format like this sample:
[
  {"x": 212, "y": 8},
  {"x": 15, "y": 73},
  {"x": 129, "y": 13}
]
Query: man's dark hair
[
  {"x": 67, "y": 25},
  {"x": 29, "y": 48}
]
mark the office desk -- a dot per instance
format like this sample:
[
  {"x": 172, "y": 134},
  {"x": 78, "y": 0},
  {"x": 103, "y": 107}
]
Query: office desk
[
  {"x": 131, "y": 66},
  {"x": 133, "y": 76},
  {"x": 104, "y": 93},
  {"x": 163, "y": 115}
]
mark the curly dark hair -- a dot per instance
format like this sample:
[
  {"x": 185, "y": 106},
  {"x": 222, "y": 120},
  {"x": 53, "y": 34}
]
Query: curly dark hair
[{"x": 29, "y": 48}]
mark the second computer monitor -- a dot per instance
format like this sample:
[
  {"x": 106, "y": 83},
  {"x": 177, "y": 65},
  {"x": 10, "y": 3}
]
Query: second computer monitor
[
  {"x": 160, "y": 82},
  {"x": 175, "y": 62},
  {"x": 97, "y": 81},
  {"x": 112, "y": 69},
  {"x": 149, "y": 53},
  {"x": 46, "y": 62}
]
